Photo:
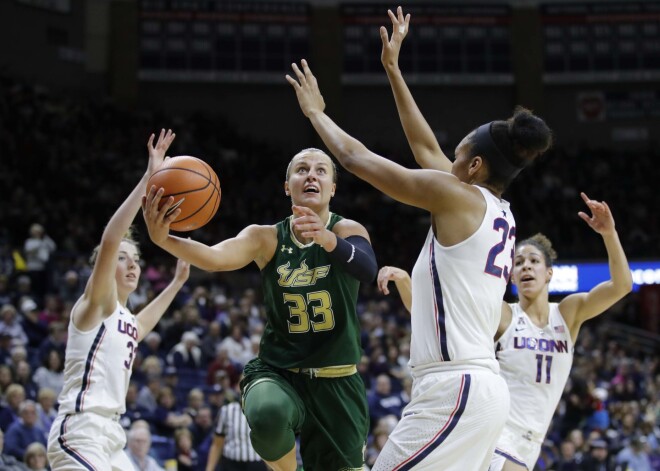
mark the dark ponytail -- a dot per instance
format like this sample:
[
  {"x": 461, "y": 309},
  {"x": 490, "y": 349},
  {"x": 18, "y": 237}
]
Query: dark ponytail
[
  {"x": 529, "y": 135},
  {"x": 521, "y": 139}
]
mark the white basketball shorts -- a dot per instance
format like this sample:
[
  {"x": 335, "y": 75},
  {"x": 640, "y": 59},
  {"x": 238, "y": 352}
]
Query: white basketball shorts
[
  {"x": 87, "y": 442},
  {"x": 452, "y": 423}
]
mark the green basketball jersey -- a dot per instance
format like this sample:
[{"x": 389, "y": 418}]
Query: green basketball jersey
[{"x": 310, "y": 304}]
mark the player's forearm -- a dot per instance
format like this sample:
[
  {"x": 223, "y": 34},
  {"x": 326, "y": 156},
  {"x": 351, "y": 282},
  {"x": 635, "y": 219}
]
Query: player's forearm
[
  {"x": 351, "y": 153},
  {"x": 122, "y": 219},
  {"x": 618, "y": 264},
  {"x": 152, "y": 313},
  {"x": 406, "y": 186},
  {"x": 419, "y": 134},
  {"x": 197, "y": 254},
  {"x": 404, "y": 287}
]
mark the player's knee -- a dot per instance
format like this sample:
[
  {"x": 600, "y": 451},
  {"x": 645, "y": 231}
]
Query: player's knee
[
  {"x": 272, "y": 436},
  {"x": 271, "y": 414}
]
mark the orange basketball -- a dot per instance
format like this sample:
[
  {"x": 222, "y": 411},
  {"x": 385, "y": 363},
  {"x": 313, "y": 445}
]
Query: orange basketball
[{"x": 195, "y": 188}]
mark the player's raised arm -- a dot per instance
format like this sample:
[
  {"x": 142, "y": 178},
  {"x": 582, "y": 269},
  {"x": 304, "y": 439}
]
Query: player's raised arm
[
  {"x": 101, "y": 291},
  {"x": 230, "y": 254},
  {"x": 419, "y": 134},
  {"x": 427, "y": 189},
  {"x": 402, "y": 281},
  {"x": 580, "y": 307}
]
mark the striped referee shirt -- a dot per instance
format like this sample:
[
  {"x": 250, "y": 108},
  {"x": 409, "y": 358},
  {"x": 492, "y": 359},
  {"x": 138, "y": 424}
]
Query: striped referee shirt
[{"x": 233, "y": 425}]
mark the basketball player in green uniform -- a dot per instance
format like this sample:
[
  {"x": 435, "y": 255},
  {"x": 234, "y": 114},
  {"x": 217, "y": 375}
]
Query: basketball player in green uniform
[{"x": 305, "y": 379}]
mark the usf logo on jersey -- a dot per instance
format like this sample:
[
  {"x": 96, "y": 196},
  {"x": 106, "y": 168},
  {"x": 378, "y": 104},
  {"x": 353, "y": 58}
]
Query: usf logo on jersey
[{"x": 301, "y": 276}]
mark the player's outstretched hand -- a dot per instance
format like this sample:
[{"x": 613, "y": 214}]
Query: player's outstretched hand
[
  {"x": 601, "y": 219},
  {"x": 392, "y": 45},
  {"x": 307, "y": 221},
  {"x": 307, "y": 89},
  {"x": 158, "y": 219},
  {"x": 157, "y": 152},
  {"x": 387, "y": 274}
]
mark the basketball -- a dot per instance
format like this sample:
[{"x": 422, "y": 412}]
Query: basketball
[{"x": 195, "y": 188}]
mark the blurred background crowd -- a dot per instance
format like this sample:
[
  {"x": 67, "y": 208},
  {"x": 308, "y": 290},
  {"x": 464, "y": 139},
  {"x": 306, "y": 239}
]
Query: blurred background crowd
[{"x": 66, "y": 164}]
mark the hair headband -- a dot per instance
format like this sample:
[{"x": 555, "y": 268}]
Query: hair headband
[{"x": 485, "y": 146}]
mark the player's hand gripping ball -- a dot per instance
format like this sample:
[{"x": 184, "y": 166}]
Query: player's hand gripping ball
[{"x": 195, "y": 188}]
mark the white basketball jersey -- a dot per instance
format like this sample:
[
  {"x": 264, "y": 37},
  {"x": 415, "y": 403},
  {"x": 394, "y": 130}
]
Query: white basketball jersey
[
  {"x": 98, "y": 364},
  {"x": 457, "y": 293},
  {"x": 535, "y": 363}
]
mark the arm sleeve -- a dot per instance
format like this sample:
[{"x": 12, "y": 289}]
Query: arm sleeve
[{"x": 355, "y": 255}]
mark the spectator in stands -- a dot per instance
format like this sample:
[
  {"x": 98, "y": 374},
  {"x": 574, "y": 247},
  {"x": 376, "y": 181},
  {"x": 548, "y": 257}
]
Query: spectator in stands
[
  {"x": 363, "y": 370},
  {"x": 38, "y": 249},
  {"x": 147, "y": 395},
  {"x": 14, "y": 397},
  {"x": 202, "y": 426},
  {"x": 598, "y": 458},
  {"x": 379, "y": 438},
  {"x": 56, "y": 340},
  {"x": 139, "y": 445},
  {"x": 186, "y": 354},
  {"x": 215, "y": 397},
  {"x": 35, "y": 457},
  {"x": 171, "y": 330},
  {"x": 23, "y": 376},
  {"x": 195, "y": 401},
  {"x": 652, "y": 433},
  {"x": 10, "y": 325},
  {"x": 51, "y": 312},
  {"x": 8, "y": 462},
  {"x": 634, "y": 456},
  {"x": 23, "y": 289},
  {"x": 133, "y": 411},
  {"x": 151, "y": 346},
  {"x": 171, "y": 380},
  {"x": 221, "y": 306},
  {"x": 568, "y": 461},
  {"x": 35, "y": 330},
  {"x": 222, "y": 362},
  {"x": 71, "y": 288},
  {"x": 151, "y": 367},
  {"x": 382, "y": 401},
  {"x": 237, "y": 345},
  {"x": 166, "y": 418},
  {"x": 577, "y": 438},
  {"x": 5, "y": 351},
  {"x": 186, "y": 456},
  {"x": 24, "y": 431},
  {"x": 202, "y": 301},
  {"x": 46, "y": 412},
  {"x": 51, "y": 373},
  {"x": 210, "y": 341}
]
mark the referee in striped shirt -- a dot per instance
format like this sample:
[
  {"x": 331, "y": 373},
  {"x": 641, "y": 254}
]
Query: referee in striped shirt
[{"x": 232, "y": 442}]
